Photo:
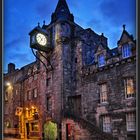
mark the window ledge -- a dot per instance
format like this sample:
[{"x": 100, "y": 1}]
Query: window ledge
[
  {"x": 130, "y": 98},
  {"x": 103, "y": 104}
]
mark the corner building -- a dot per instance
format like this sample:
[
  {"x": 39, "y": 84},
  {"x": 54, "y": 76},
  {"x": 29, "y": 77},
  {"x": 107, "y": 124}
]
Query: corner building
[{"x": 88, "y": 91}]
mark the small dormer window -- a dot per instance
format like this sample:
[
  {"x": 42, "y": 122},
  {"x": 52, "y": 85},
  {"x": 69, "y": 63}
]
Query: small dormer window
[
  {"x": 101, "y": 60},
  {"x": 126, "y": 51}
]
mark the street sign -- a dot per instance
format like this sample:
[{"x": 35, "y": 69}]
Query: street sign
[{"x": 19, "y": 111}]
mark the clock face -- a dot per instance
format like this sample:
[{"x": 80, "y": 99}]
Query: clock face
[{"x": 41, "y": 39}]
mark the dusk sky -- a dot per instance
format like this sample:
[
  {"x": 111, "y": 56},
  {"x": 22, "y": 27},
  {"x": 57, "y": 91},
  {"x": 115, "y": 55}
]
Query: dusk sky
[{"x": 102, "y": 16}]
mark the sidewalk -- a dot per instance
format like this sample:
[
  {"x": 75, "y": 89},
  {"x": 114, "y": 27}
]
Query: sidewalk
[{"x": 8, "y": 138}]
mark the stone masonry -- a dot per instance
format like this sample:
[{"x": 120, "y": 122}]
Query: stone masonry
[{"x": 68, "y": 91}]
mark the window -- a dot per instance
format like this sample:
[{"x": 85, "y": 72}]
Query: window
[
  {"x": 16, "y": 92},
  {"x": 29, "y": 95},
  {"x": 29, "y": 72},
  {"x": 126, "y": 51},
  {"x": 35, "y": 93},
  {"x": 35, "y": 76},
  {"x": 35, "y": 68},
  {"x": 48, "y": 103},
  {"x": 103, "y": 93},
  {"x": 30, "y": 79},
  {"x": 34, "y": 126},
  {"x": 129, "y": 87},
  {"x": 6, "y": 96},
  {"x": 88, "y": 55},
  {"x": 131, "y": 121},
  {"x": 48, "y": 81},
  {"x": 106, "y": 124},
  {"x": 26, "y": 96},
  {"x": 7, "y": 124},
  {"x": 101, "y": 60},
  {"x": 27, "y": 113}
]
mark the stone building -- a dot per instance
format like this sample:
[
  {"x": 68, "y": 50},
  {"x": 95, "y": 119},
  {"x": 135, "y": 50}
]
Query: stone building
[{"x": 80, "y": 85}]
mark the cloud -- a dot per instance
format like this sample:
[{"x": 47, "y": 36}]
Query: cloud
[
  {"x": 13, "y": 42},
  {"x": 22, "y": 16},
  {"x": 119, "y": 11}
]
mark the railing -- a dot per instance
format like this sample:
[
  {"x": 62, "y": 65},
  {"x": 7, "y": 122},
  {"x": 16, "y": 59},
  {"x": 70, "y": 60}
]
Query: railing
[{"x": 95, "y": 131}]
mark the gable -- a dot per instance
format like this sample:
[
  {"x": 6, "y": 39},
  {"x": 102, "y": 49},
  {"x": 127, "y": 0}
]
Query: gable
[
  {"x": 100, "y": 49},
  {"x": 125, "y": 38}
]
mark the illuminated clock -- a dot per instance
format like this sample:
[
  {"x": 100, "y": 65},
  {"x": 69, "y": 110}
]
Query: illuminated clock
[{"x": 41, "y": 39}]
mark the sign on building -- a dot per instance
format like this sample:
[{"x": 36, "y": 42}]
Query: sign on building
[{"x": 19, "y": 111}]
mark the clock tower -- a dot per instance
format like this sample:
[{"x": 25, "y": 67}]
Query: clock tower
[{"x": 56, "y": 42}]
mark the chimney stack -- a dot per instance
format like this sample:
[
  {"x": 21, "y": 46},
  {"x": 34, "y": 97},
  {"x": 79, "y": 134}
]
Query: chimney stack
[{"x": 11, "y": 67}]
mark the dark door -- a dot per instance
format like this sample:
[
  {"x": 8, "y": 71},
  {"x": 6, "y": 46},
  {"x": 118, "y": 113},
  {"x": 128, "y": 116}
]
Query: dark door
[
  {"x": 68, "y": 129},
  {"x": 27, "y": 130}
]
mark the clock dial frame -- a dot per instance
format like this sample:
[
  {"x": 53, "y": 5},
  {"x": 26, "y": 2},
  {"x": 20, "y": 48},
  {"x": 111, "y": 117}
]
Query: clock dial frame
[{"x": 41, "y": 39}]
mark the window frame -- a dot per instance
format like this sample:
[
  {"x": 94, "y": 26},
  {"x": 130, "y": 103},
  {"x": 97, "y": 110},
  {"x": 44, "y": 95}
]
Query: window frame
[
  {"x": 103, "y": 94},
  {"x": 126, "y": 50},
  {"x": 132, "y": 95},
  {"x": 48, "y": 103},
  {"x": 106, "y": 124},
  {"x": 29, "y": 95},
  {"x": 130, "y": 122},
  {"x": 35, "y": 89},
  {"x": 101, "y": 57}
]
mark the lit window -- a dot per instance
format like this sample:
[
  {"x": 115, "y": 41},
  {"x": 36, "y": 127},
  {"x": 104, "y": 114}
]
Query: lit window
[
  {"x": 129, "y": 87},
  {"x": 101, "y": 60},
  {"x": 7, "y": 124},
  {"x": 126, "y": 51},
  {"x": 106, "y": 124},
  {"x": 34, "y": 126},
  {"x": 16, "y": 92},
  {"x": 35, "y": 93},
  {"x": 27, "y": 113},
  {"x": 131, "y": 121},
  {"x": 103, "y": 93}
]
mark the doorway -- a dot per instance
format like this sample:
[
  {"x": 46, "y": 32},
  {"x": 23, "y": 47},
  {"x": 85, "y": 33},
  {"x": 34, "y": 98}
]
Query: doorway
[{"x": 27, "y": 130}]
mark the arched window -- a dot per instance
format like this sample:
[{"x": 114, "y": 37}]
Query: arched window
[
  {"x": 101, "y": 60},
  {"x": 126, "y": 51}
]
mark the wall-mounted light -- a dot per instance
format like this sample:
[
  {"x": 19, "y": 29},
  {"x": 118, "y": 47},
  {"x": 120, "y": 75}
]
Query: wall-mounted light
[{"x": 8, "y": 84}]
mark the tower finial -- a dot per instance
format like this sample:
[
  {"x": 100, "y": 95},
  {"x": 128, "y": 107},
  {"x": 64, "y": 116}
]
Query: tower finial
[
  {"x": 38, "y": 24},
  {"x": 43, "y": 22},
  {"x": 124, "y": 26}
]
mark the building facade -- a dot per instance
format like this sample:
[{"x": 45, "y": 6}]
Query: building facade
[{"x": 85, "y": 91}]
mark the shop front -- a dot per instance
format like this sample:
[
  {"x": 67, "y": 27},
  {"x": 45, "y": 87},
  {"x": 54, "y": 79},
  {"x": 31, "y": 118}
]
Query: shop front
[{"x": 32, "y": 123}]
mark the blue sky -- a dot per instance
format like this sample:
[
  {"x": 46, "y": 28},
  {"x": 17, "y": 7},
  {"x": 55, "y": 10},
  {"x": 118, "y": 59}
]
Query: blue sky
[{"x": 102, "y": 16}]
